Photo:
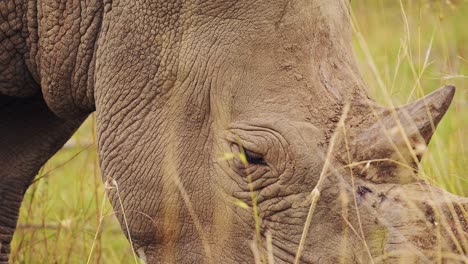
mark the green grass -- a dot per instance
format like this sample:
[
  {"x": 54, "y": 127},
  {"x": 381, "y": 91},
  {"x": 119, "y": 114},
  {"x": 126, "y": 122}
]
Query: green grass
[
  {"x": 62, "y": 210},
  {"x": 435, "y": 30}
]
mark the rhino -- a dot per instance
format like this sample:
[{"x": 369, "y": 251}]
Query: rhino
[{"x": 228, "y": 131}]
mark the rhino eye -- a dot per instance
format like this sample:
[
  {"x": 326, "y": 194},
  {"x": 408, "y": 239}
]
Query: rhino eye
[
  {"x": 251, "y": 157},
  {"x": 254, "y": 158}
]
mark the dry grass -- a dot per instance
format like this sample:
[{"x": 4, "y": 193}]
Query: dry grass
[{"x": 405, "y": 50}]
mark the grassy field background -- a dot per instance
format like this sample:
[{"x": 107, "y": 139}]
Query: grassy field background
[{"x": 405, "y": 50}]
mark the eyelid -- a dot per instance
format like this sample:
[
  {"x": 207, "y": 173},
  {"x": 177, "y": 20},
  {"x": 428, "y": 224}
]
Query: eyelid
[{"x": 246, "y": 145}]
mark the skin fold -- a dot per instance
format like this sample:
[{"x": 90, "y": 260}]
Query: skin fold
[{"x": 177, "y": 85}]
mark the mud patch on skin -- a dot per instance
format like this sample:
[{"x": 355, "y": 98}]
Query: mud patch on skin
[
  {"x": 377, "y": 169},
  {"x": 430, "y": 215},
  {"x": 462, "y": 214},
  {"x": 453, "y": 218},
  {"x": 426, "y": 241},
  {"x": 458, "y": 224}
]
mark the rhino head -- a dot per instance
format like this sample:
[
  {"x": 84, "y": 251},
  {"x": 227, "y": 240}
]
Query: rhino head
[{"x": 240, "y": 130}]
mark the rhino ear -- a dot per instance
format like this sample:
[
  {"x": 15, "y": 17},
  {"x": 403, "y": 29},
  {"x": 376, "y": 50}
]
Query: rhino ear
[{"x": 426, "y": 113}]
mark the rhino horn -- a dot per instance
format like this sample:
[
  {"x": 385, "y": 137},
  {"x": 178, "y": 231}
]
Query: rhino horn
[
  {"x": 427, "y": 112},
  {"x": 388, "y": 138}
]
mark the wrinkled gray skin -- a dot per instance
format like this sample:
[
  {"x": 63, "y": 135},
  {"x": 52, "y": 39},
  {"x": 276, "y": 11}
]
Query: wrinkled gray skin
[{"x": 177, "y": 83}]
